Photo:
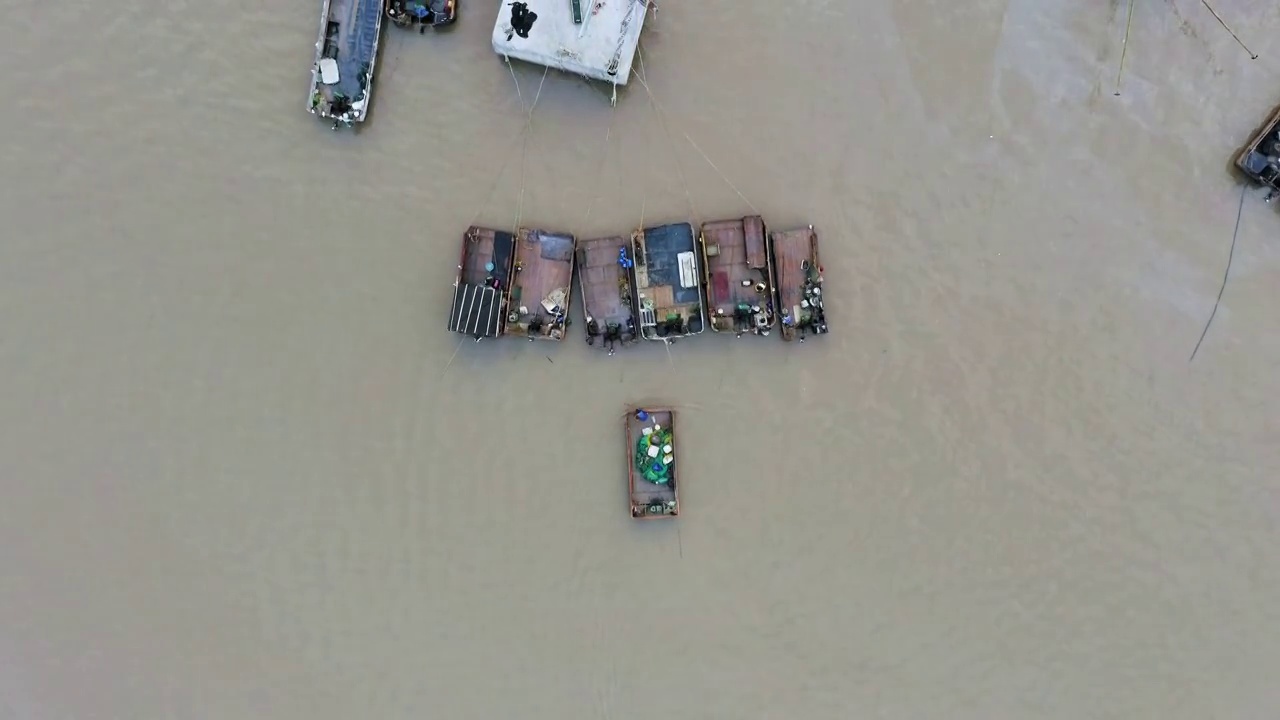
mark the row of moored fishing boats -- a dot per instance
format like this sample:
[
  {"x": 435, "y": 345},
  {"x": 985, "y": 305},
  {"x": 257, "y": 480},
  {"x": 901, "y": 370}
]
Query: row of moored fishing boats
[{"x": 660, "y": 283}]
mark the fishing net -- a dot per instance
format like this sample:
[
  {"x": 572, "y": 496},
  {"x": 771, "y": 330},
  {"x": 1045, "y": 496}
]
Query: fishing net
[{"x": 653, "y": 468}]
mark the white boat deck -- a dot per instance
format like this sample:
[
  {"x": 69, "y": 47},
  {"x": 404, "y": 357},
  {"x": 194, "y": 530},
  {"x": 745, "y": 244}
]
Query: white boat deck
[{"x": 602, "y": 48}]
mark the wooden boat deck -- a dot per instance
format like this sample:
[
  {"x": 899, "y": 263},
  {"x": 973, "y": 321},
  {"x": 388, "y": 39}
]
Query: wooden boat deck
[
  {"x": 738, "y": 272},
  {"x": 541, "y": 284},
  {"x": 478, "y": 306},
  {"x": 606, "y": 285},
  {"x": 645, "y": 496},
  {"x": 796, "y": 258},
  {"x": 346, "y": 53},
  {"x": 668, "y": 282},
  {"x": 1254, "y": 159},
  {"x": 485, "y": 245}
]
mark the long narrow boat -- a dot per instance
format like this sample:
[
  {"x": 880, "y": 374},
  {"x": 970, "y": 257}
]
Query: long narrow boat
[
  {"x": 540, "y": 288},
  {"x": 1259, "y": 159},
  {"x": 795, "y": 255},
  {"x": 668, "y": 282},
  {"x": 651, "y": 463},
  {"x": 739, "y": 276},
  {"x": 480, "y": 290},
  {"x": 422, "y": 14},
  {"x": 346, "y": 54},
  {"x": 604, "y": 276}
]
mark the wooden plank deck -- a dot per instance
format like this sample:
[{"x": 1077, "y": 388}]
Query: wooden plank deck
[
  {"x": 793, "y": 252},
  {"x": 479, "y": 245},
  {"x": 543, "y": 265},
  {"x": 737, "y": 267},
  {"x": 602, "y": 280}
]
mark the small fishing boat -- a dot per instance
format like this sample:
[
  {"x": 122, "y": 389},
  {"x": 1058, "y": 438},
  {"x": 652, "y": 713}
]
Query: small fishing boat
[
  {"x": 651, "y": 463},
  {"x": 1259, "y": 159},
  {"x": 800, "y": 303},
  {"x": 422, "y": 14},
  {"x": 542, "y": 281},
  {"x": 739, "y": 276},
  {"x": 604, "y": 275},
  {"x": 480, "y": 290},
  {"x": 668, "y": 282},
  {"x": 346, "y": 54}
]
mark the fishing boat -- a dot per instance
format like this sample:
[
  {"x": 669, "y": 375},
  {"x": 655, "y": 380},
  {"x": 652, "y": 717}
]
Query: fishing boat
[
  {"x": 346, "y": 54},
  {"x": 422, "y": 14},
  {"x": 480, "y": 290},
  {"x": 800, "y": 303},
  {"x": 540, "y": 286},
  {"x": 604, "y": 276},
  {"x": 651, "y": 463},
  {"x": 1259, "y": 159},
  {"x": 739, "y": 276},
  {"x": 667, "y": 282}
]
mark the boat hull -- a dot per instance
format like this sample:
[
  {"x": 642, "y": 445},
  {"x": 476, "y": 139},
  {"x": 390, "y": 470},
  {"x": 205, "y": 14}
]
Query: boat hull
[
  {"x": 738, "y": 274},
  {"x": 801, "y": 306},
  {"x": 345, "y": 61},
  {"x": 605, "y": 283},
  {"x": 652, "y": 483},
  {"x": 668, "y": 282},
  {"x": 479, "y": 306}
]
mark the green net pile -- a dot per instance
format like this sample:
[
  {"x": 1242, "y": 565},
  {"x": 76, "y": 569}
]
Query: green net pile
[{"x": 653, "y": 469}]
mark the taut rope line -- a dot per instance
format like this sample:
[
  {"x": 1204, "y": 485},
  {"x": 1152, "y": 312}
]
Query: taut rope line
[
  {"x": 524, "y": 149},
  {"x": 694, "y": 145},
  {"x": 506, "y": 156},
  {"x": 688, "y": 196},
  {"x": 600, "y": 170}
]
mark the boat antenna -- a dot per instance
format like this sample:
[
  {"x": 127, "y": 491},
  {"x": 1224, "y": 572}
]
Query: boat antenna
[
  {"x": 1252, "y": 55},
  {"x": 1124, "y": 47},
  {"x": 1226, "y": 274}
]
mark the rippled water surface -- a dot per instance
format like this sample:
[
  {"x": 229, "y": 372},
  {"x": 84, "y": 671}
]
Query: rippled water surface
[{"x": 243, "y": 478}]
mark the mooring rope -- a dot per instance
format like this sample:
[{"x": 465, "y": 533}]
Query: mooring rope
[
  {"x": 516, "y": 80},
  {"x": 688, "y": 194},
  {"x": 524, "y": 149},
  {"x": 510, "y": 151},
  {"x": 600, "y": 170},
  {"x": 662, "y": 113}
]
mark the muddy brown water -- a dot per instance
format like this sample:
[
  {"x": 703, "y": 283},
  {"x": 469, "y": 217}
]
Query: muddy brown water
[{"x": 238, "y": 481}]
